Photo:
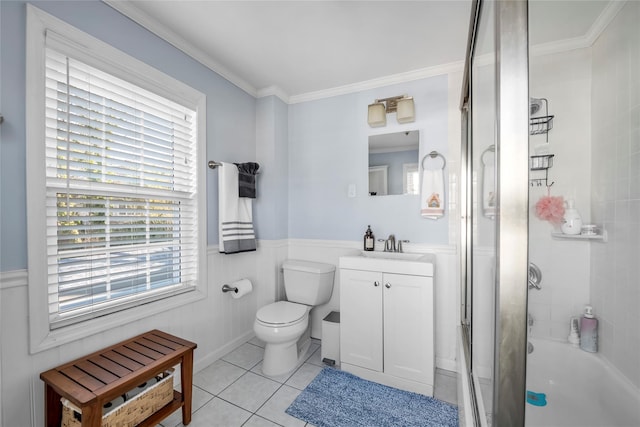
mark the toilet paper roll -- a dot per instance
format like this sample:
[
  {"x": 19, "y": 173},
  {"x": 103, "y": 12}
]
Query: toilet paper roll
[
  {"x": 244, "y": 287},
  {"x": 113, "y": 405},
  {"x": 140, "y": 388}
]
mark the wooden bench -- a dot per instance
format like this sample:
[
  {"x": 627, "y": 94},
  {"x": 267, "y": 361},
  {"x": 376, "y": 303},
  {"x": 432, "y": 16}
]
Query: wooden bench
[{"x": 93, "y": 380}]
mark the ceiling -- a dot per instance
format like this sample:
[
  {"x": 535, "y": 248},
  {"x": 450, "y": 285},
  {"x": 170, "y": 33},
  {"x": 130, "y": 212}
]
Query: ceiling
[{"x": 299, "y": 50}]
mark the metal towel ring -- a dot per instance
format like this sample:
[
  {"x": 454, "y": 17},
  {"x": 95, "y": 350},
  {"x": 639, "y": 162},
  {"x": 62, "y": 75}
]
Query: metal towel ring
[{"x": 433, "y": 155}]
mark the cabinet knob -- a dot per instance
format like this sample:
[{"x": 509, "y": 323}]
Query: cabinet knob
[
  {"x": 387, "y": 285},
  {"x": 376, "y": 283}
]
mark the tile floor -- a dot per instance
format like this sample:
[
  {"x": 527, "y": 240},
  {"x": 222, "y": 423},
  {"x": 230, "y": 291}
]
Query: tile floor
[{"x": 233, "y": 392}]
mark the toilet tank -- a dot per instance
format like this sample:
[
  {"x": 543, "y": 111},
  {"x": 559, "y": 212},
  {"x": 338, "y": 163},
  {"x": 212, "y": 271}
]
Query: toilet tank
[{"x": 308, "y": 282}]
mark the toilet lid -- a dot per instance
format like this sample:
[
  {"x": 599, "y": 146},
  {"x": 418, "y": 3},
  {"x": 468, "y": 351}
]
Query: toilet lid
[{"x": 281, "y": 312}]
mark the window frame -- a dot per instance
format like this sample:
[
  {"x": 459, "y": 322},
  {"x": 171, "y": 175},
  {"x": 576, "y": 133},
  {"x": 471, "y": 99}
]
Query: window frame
[{"x": 115, "y": 62}]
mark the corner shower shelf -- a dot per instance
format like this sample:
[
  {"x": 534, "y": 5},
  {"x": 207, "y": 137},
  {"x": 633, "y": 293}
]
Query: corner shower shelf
[
  {"x": 541, "y": 163},
  {"x": 595, "y": 237},
  {"x": 540, "y": 125}
]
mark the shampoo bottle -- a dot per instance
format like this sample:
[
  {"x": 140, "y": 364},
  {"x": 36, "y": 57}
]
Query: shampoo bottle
[
  {"x": 571, "y": 223},
  {"x": 369, "y": 240},
  {"x": 589, "y": 331}
]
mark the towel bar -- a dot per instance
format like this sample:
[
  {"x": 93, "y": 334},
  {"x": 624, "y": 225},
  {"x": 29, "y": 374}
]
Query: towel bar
[
  {"x": 433, "y": 155},
  {"x": 213, "y": 164}
]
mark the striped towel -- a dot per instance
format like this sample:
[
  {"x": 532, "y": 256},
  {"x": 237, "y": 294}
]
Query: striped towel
[{"x": 235, "y": 230}]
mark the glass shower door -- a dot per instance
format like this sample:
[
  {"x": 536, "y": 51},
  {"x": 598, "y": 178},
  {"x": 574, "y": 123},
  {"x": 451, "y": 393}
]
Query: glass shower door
[{"x": 495, "y": 203}]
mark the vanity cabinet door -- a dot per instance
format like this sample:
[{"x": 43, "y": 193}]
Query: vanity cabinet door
[
  {"x": 408, "y": 327},
  {"x": 361, "y": 318}
]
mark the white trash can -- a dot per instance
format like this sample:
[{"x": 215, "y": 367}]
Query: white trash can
[{"x": 330, "y": 346}]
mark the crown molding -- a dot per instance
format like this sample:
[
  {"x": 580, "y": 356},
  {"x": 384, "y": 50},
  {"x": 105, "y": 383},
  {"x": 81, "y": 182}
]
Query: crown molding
[
  {"x": 129, "y": 10},
  {"x": 588, "y": 39},
  {"x": 408, "y": 76},
  {"x": 604, "y": 19},
  {"x": 132, "y": 12},
  {"x": 275, "y": 91}
]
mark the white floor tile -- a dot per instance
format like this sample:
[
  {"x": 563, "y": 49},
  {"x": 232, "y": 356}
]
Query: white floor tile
[
  {"x": 256, "y": 421},
  {"x": 316, "y": 358},
  {"x": 198, "y": 400},
  {"x": 248, "y": 398},
  {"x": 303, "y": 376},
  {"x": 274, "y": 409},
  {"x": 250, "y": 391},
  {"x": 446, "y": 386},
  {"x": 219, "y": 413},
  {"x": 246, "y": 356},
  {"x": 217, "y": 376},
  {"x": 280, "y": 378},
  {"x": 256, "y": 341},
  {"x": 315, "y": 346}
]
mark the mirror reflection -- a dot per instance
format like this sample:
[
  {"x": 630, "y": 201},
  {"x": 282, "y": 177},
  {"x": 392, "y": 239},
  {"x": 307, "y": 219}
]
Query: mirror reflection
[{"x": 393, "y": 163}]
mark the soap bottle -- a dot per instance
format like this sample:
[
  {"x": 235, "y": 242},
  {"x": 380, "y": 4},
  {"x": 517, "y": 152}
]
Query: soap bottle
[
  {"x": 589, "y": 331},
  {"x": 369, "y": 241},
  {"x": 571, "y": 223}
]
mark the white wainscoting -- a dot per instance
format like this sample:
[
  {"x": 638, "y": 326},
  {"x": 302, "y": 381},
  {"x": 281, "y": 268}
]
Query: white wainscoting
[{"x": 217, "y": 323}]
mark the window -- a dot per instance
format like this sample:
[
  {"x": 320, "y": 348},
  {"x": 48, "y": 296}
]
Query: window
[
  {"x": 410, "y": 178},
  {"x": 116, "y": 169}
]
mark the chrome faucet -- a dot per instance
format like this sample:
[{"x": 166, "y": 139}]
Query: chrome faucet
[{"x": 390, "y": 244}]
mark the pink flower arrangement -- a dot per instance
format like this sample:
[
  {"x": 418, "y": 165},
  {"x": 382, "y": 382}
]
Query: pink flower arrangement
[{"x": 550, "y": 208}]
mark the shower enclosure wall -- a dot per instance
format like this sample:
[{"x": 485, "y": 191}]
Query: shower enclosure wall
[{"x": 594, "y": 92}]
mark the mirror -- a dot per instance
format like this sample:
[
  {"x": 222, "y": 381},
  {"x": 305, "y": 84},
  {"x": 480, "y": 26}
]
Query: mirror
[{"x": 393, "y": 163}]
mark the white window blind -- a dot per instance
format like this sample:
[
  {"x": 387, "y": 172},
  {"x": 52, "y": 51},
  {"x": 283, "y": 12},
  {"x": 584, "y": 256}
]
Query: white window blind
[
  {"x": 121, "y": 183},
  {"x": 411, "y": 178}
]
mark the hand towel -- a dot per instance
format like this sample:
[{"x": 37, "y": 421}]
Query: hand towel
[
  {"x": 235, "y": 230},
  {"x": 247, "y": 179},
  {"x": 488, "y": 189},
  {"x": 432, "y": 194}
]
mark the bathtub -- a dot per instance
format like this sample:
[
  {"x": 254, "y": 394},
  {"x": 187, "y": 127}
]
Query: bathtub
[{"x": 581, "y": 388}]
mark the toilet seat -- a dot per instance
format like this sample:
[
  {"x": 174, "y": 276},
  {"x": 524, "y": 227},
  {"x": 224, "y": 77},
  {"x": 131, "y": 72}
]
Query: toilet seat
[{"x": 282, "y": 313}]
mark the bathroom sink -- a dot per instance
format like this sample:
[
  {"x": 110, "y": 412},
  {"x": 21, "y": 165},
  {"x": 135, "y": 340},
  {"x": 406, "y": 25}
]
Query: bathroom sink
[
  {"x": 390, "y": 262},
  {"x": 392, "y": 255}
]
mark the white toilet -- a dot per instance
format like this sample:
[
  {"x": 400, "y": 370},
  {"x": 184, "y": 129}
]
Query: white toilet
[{"x": 284, "y": 325}]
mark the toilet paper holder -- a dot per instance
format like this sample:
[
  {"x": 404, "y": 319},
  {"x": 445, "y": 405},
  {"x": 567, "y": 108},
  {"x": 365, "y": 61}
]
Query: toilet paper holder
[{"x": 227, "y": 288}]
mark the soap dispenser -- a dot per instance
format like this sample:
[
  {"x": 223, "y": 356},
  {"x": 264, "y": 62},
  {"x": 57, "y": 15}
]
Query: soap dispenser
[
  {"x": 589, "y": 331},
  {"x": 572, "y": 222},
  {"x": 369, "y": 240}
]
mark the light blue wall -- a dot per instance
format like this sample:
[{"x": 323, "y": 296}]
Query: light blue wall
[
  {"x": 272, "y": 148},
  {"x": 309, "y": 152},
  {"x": 231, "y": 112},
  {"x": 328, "y": 151}
]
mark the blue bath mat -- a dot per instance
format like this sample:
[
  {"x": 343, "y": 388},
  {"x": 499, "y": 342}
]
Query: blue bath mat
[{"x": 339, "y": 399}]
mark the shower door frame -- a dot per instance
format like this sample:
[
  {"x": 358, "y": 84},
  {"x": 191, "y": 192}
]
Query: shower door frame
[{"x": 512, "y": 163}]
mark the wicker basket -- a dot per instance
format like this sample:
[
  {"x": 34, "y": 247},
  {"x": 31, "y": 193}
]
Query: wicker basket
[{"x": 142, "y": 402}]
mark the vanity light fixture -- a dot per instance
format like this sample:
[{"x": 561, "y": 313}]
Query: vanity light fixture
[{"x": 402, "y": 105}]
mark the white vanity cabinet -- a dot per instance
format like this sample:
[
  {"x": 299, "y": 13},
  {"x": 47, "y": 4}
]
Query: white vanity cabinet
[{"x": 386, "y": 325}]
